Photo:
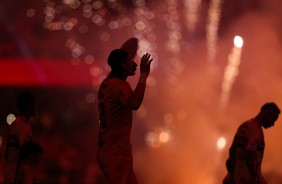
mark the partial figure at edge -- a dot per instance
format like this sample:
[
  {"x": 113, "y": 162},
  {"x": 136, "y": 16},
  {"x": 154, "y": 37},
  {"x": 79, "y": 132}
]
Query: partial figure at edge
[
  {"x": 19, "y": 133},
  {"x": 246, "y": 151}
]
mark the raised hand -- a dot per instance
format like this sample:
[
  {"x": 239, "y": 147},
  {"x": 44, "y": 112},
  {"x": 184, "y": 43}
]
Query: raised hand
[{"x": 145, "y": 64}]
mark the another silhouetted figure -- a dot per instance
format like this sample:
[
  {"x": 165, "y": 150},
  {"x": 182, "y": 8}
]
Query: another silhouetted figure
[
  {"x": 246, "y": 152},
  {"x": 30, "y": 154},
  {"x": 19, "y": 133},
  {"x": 116, "y": 102}
]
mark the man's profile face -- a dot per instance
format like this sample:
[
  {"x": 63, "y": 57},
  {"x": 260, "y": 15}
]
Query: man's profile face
[
  {"x": 130, "y": 66},
  {"x": 35, "y": 158},
  {"x": 270, "y": 117},
  {"x": 32, "y": 108}
]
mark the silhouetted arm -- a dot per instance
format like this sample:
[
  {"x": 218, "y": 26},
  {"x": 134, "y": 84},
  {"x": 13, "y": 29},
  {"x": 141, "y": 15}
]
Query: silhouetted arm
[
  {"x": 136, "y": 98},
  {"x": 251, "y": 160},
  {"x": 230, "y": 163}
]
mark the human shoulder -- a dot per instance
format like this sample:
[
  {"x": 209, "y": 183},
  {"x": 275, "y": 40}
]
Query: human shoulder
[
  {"x": 19, "y": 121},
  {"x": 25, "y": 168},
  {"x": 111, "y": 81},
  {"x": 118, "y": 83},
  {"x": 249, "y": 124},
  {"x": 247, "y": 128},
  {"x": 253, "y": 124}
]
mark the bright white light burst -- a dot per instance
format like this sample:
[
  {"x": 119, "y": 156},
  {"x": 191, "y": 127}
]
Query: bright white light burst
[
  {"x": 238, "y": 41},
  {"x": 221, "y": 142}
]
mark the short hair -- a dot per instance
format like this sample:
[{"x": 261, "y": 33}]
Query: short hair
[
  {"x": 269, "y": 106},
  {"x": 116, "y": 57},
  {"x": 115, "y": 60},
  {"x": 23, "y": 100},
  {"x": 29, "y": 148}
]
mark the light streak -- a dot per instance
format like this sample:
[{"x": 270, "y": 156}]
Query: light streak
[
  {"x": 231, "y": 70},
  {"x": 212, "y": 28},
  {"x": 141, "y": 26},
  {"x": 174, "y": 29},
  {"x": 144, "y": 32},
  {"x": 191, "y": 7},
  {"x": 175, "y": 66}
]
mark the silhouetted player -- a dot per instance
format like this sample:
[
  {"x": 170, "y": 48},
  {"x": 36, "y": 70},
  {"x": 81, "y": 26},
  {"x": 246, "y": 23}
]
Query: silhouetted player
[
  {"x": 19, "y": 133},
  {"x": 246, "y": 152},
  {"x": 116, "y": 102},
  {"x": 30, "y": 154}
]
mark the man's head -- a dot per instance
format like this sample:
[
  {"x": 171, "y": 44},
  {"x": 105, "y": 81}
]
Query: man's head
[
  {"x": 31, "y": 151},
  {"x": 26, "y": 103},
  {"x": 121, "y": 63},
  {"x": 269, "y": 114}
]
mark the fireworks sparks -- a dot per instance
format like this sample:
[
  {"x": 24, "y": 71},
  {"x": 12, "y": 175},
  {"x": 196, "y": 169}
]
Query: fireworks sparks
[
  {"x": 212, "y": 28},
  {"x": 174, "y": 29},
  {"x": 192, "y": 7},
  {"x": 180, "y": 91},
  {"x": 231, "y": 70}
]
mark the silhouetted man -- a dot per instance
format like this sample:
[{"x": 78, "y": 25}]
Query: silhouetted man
[
  {"x": 246, "y": 152},
  {"x": 116, "y": 102},
  {"x": 30, "y": 154},
  {"x": 19, "y": 133}
]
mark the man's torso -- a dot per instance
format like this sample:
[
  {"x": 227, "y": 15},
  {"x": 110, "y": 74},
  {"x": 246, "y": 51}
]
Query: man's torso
[
  {"x": 115, "y": 118},
  {"x": 249, "y": 136}
]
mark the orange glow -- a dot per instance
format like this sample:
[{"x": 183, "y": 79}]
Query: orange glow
[
  {"x": 168, "y": 118},
  {"x": 142, "y": 112},
  {"x": 189, "y": 103},
  {"x": 181, "y": 114},
  {"x": 164, "y": 137}
]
